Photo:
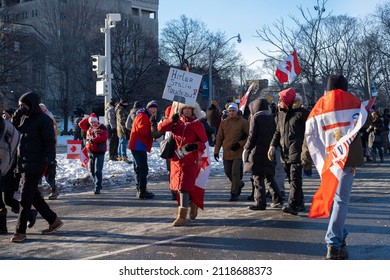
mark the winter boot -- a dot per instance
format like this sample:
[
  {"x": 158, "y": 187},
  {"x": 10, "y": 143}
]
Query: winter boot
[
  {"x": 193, "y": 210},
  {"x": 3, "y": 221},
  {"x": 54, "y": 193},
  {"x": 181, "y": 219},
  {"x": 336, "y": 253}
]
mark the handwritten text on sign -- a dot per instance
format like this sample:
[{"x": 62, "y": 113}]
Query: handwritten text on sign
[{"x": 182, "y": 86}]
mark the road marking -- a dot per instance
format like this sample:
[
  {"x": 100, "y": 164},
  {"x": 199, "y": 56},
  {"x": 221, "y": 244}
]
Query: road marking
[{"x": 138, "y": 247}]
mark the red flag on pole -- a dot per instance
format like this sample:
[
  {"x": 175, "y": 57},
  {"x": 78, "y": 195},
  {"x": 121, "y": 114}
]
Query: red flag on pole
[
  {"x": 244, "y": 99},
  {"x": 288, "y": 69}
]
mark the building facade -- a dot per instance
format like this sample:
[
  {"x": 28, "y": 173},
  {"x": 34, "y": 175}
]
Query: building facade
[{"x": 25, "y": 18}]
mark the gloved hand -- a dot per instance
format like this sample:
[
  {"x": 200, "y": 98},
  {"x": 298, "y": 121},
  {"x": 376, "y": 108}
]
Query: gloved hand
[
  {"x": 235, "y": 146},
  {"x": 191, "y": 147},
  {"x": 271, "y": 153},
  {"x": 50, "y": 173},
  {"x": 153, "y": 119},
  {"x": 216, "y": 157},
  {"x": 175, "y": 118}
]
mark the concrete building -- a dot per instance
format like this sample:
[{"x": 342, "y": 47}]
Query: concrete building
[{"x": 20, "y": 16}]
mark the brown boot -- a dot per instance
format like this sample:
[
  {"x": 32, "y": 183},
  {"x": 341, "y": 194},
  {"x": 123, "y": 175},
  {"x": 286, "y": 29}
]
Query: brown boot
[
  {"x": 181, "y": 219},
  {"x": 193, "y": 210}
]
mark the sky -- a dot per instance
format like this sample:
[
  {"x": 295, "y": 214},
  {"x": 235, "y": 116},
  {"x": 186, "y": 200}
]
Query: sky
[{"x": 244, "y": 17}]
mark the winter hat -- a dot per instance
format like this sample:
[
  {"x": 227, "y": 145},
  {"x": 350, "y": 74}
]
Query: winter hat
[
  {"x": 123, "y": 101},
  {"x": 151, "y": 104},
  {"x": 263, "y": 105},
  {"x": 92, "y": 118},
  {"x": 287, "y": 96},
  {"x": 137, "y": 104},
  {"x": 233, "y": 106},
  {"x": 29, "y": 98},
  {"x": 337, "y": 82},
  {"x": 112, "y": 102}
]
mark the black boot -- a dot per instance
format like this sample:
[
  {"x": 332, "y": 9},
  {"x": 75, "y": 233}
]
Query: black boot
[
  {"x": 3, "y": 221},
  {"x": 144, "y": 194}
]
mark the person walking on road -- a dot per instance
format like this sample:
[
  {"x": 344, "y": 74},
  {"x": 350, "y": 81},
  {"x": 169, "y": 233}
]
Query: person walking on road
[
  {"x": 261, "y": 131},
  {"x": 141, "y": 140},
  {"x": 96, "y": 145},
  {"x": 37, "y": 149},
  {"x": 289, "y": 135},
  {"x": 231, "y": 136},
  {"x": 190, "y": 138},
  {"x": 333, "y": 117}
]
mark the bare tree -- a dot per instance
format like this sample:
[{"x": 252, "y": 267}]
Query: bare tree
[
  {"x": 189, "y": 42},
  {"x": 71, "y": 30},
  {"x": 134, "y": 53}
]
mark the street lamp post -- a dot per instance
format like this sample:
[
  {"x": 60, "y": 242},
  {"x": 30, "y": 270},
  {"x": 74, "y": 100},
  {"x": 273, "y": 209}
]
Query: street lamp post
[
  {"x": 110, "y": 22},
  {"x": 211, "y": 95}
]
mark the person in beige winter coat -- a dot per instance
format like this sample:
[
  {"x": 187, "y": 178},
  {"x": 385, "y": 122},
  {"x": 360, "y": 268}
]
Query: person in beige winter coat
[{"x": 232, "y": 135}]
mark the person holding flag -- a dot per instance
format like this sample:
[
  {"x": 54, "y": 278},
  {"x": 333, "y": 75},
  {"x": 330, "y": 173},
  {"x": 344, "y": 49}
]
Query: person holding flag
[
  {"x": 336, "y": 149},
  {"x": 190, "y": 165},
  {"x": 96, "y": 147}
]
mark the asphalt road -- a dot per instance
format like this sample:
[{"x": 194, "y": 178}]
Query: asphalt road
[{"x": 116, "y": 226}]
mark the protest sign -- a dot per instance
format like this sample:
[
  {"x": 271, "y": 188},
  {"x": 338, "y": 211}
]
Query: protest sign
[{"x": 182, "y": 86}]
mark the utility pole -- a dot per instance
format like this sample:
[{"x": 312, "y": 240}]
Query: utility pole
[{"x": 102, "y": 64}]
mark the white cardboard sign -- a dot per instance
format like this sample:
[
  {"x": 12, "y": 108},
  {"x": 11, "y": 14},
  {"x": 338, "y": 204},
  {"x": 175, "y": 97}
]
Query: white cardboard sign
[{"x": 182, "y": 86}]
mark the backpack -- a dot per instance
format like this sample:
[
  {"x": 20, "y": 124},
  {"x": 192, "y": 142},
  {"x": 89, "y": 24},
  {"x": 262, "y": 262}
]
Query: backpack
[{"x": 9, "y": 141}]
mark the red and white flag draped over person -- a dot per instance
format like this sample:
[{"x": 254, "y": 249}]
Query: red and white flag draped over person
[
  {"x": 288, "y": 69},
  {"x": 244, "y": 99},
  {"x": 331, "y": 126}
]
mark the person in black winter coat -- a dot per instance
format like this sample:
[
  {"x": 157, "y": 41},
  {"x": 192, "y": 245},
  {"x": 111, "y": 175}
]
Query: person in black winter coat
[
  {"x": 290, "y": 135},
  {"x": 261, "y": 131},
  {"x": 37, "y": 151}
]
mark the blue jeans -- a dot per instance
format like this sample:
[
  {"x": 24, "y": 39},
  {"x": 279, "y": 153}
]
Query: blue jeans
[
  {"x": 96, "y": 162},
  {"x": 141, "y": 168},
  {"x": 122, "y": 147},
  {"x": 336, "y": 232}
]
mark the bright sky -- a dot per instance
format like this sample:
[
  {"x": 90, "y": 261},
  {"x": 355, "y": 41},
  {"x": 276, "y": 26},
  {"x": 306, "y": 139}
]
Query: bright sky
[{"x": 245, "y": 16}]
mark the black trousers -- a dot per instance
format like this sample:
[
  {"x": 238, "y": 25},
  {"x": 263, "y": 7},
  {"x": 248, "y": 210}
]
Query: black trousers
[
  {"x": 30, "y": 195},
  {"x": 294, "y": 175}
]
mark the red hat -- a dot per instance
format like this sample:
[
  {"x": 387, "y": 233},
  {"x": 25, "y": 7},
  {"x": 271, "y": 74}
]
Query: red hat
[
  {"x": 93, "y": 118},
  {"x": 287, "y": 96}
]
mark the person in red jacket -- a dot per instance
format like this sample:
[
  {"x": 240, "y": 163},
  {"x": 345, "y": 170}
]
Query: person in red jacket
[
  {"x": 96, "y": 146},
  {"x": 141, "y": 140},
  {"x": 190, "y": 137}
]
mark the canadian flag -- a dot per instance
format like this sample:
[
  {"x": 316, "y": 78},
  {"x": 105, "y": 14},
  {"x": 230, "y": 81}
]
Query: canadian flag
[
  {"x": 84, "y": 158},
  {"x": 244, "y": 99},
  {"x": 73, "y": 149},
  {"x": 288, "y": 69}
]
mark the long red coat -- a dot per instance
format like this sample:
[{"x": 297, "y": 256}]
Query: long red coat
[{"x": 184, "y": 171}]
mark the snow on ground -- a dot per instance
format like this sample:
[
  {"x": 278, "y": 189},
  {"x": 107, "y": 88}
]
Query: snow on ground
[{"x": 72, "y": 177}]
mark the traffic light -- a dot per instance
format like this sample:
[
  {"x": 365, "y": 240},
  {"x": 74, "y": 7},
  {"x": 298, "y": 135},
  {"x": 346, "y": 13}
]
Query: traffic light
[
  {"x": 102, "y": 88},
  {"x": 98, "y": 64}
]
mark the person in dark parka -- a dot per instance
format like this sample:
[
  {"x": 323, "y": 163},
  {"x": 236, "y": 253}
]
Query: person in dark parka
[
  {"x": 37, "y": 149},
  {"x": 261, "y": 130}
]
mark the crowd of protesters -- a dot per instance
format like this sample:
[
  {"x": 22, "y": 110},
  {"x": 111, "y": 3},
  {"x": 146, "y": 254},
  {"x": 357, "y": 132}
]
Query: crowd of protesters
[{"x": 267, "y": 141}]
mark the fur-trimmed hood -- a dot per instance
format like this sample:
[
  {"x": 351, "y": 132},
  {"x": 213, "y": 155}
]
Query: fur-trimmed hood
[{"x": 197, "y": 112}]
